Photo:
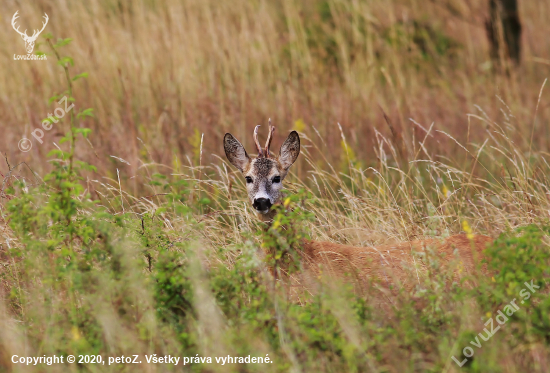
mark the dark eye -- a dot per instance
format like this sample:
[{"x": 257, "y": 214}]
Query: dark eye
[
  {"x": 248, "y": 179},
  {"x": 277, "y": 179}
]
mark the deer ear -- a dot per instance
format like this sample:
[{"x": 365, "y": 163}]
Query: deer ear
[
  {"x": 289, "y": 150},
  {"x": 235, "y": 153}
]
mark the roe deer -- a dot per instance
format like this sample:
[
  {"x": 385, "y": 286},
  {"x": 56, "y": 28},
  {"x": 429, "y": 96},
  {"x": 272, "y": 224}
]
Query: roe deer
[{"x": 264, "y": 176}]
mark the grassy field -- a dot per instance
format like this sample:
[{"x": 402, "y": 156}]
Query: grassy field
[{"x": 126, "y": 232}]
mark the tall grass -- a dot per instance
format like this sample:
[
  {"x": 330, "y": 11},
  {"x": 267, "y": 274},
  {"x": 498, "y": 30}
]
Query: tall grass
[
  {"x": 161, "y": 70},
  {"x": 158, "y": 251}
]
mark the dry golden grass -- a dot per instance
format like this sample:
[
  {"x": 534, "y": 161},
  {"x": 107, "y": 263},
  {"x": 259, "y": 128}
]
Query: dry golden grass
[
  {"x": 464, "y": 147},
  {"x": 167, "y": 72}
]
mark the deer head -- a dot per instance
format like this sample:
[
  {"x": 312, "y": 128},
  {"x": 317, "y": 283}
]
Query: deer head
[
  {"x": 29, "y": 40},
  {"x": 264, "y": 174}
]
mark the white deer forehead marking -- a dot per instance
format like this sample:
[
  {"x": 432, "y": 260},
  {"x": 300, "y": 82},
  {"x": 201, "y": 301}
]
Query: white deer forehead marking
[
  {"x": 261, "y": 170},
  {"x": 261, "y": 193}
]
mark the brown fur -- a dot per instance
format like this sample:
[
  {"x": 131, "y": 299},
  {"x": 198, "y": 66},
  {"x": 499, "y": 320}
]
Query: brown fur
[{"x": 398, "y": 265}]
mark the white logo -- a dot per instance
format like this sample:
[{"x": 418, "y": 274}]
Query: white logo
[
  {"x": 29, "y": 40},
  {"x": 25, "y": 144}
]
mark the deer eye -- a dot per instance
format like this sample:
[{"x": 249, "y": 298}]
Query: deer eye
[
  {"x": 248, "y": 179},
  {"x": 277, "y": 179}
]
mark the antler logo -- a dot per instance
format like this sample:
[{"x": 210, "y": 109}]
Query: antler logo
[{"x": 29, "y": 40}]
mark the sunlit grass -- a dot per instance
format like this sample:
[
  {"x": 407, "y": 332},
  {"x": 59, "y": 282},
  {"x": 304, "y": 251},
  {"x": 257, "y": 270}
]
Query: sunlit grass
[{"x": 162, "y": 252}]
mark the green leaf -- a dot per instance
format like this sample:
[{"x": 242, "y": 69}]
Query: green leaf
[
  {"x": 81, "y": 75},
  {"x": 84, "y": 131},
  {"x": 66, "y": 61},
  {"x": 48, "y": 119},
  {"x": 205, "y": 201},
  {"x": 85, "y": 113},
  {"x": 160, "y": 210},
  {"x": 85, "y": 166},
  {"x": 56, "y": 152},
  {"x": 62, "y": 42},
  {"x": 53, "y": 98}
]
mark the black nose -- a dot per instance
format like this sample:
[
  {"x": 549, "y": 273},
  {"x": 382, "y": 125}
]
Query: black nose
[{"x": 261, "y": 204}]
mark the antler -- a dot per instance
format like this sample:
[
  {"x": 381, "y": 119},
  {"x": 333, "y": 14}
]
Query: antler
[
  {"x": 260, "y": 151},
  {"x": 17, "y": 29},
  {"x": 269, "y": 138},
  {"x": 35, "y": 33}
]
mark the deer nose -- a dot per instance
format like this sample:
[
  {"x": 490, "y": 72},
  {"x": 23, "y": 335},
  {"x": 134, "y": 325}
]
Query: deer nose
[{"x": 262, "y": 204}]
